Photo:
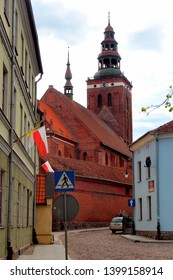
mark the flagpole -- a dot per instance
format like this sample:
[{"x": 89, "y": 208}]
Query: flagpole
[{"x": 28, "y": 132}]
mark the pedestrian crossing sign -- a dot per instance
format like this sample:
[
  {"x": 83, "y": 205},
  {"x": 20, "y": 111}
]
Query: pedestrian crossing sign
[{"x": 64, "y": 181}]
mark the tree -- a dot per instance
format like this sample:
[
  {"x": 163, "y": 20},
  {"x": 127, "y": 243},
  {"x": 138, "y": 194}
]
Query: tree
[{"x": 167, "y": 103}]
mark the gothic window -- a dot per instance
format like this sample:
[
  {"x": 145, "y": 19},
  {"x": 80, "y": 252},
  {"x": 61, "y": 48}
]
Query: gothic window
[
  {"x": 85, "y": 156},
  {"x": 109, "y": 100},
  {"x": 106, "y": 159},
  {"x": 99, "y": 100}
]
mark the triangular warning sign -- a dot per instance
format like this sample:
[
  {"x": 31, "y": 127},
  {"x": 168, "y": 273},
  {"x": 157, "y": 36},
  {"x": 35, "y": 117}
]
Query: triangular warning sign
[{"x": 64, "y": 182}]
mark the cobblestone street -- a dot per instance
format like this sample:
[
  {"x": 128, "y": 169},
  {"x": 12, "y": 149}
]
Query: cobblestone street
[{"x": 103, "y": 245}]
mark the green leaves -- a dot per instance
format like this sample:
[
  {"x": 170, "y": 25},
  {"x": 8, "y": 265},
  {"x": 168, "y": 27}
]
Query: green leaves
[{"x": 167, "y": 104}]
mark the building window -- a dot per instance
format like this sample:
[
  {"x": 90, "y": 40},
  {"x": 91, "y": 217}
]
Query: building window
[
  {"x": 139, "y": 177},
  {"x": 4, "y": 90},
  {"x": 85, "y": 156},
  {"x": 21, "y": 120},
  {"x": 27, "y": 207},
  {"x": 22, "y": 52},
  {"x": 29, "y": 80},
  {"x": 26, "y": 66},
  {"x": 127, "y": 191},
  {"x": 148, "y": 207},
  {"x": 140, "y": 209},
  {"x": 66, "y": 151},
  {"x": 6, "y": 9},
  {"x": 18, "y": 204},
  {"x": 16, "y": 28},
  {"x": 24, "y": 208},
  {"x": 30, "y": 208},
  {"x": 2, "y": 189},
  {"x": 109, "y": 100},
  {"x": 106, "y": 159},
  {"x": 14, "y": 110},
  {"x": 25, "y": 130},
  {"x": 99, "y": 100}
]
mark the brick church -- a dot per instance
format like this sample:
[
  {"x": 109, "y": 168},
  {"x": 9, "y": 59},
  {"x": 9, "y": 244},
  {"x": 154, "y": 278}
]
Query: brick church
[{"x": 93, "y": 141}]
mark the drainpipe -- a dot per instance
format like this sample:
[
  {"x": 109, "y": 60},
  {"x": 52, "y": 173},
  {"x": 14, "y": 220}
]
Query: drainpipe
[
  {"x": 11, "y": 133},
  {"x": 157, "y": 185},
  {"x": 34, "y": 235}
]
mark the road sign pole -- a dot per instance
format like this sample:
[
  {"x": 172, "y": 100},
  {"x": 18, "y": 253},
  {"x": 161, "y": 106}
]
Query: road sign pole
[{"x": 65, "y": 225}]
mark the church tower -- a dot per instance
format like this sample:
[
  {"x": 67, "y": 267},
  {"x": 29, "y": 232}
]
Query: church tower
[
  {"x": 109, "y": 91},
  {"x": 68, "y": 88}
]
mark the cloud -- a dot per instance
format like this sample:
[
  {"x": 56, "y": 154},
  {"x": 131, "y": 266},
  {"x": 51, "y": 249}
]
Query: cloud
[
  {"x": 58, "y": 20},
  {"x": 149, "y": 39}
]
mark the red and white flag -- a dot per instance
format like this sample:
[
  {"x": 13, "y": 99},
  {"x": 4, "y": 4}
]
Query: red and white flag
[
  {"x": 39, "y": 137},
  {"x": 47, "y": 167}
]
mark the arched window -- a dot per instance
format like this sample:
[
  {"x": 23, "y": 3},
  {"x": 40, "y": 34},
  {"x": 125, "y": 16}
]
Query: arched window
[
  {"x": 99, "y": 100},
  {"x": 109, "y": 100},
  {"x": 106, "y": 159},
  {"x": 85, "y": 156}
]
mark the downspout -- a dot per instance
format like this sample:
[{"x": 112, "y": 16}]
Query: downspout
[
  {"x": 11, "y": 133},
  {"x": 34, "y": 235},
  {"x": 157, "y": 185}
]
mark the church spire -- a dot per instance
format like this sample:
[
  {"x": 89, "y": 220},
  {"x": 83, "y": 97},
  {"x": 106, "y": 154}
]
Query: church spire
[
  {"x": 68, "y": 88},
  {"x": 109, "y": 58},
  {"x": 108, "y": 18}
]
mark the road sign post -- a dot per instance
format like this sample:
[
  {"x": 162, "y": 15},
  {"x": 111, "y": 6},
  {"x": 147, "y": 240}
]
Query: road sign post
[
  {"x": 65, "y": 181},
  {"x": 65, "y": 226}
]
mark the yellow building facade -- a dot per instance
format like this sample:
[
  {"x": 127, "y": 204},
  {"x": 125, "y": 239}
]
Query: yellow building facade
[{"x": 20, "y": 70}]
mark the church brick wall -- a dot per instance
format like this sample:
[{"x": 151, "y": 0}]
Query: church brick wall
[{"x": 99, "y": 202}]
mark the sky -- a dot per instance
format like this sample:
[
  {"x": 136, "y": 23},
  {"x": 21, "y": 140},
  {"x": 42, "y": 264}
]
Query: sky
[{"x": 144, "y": 32}]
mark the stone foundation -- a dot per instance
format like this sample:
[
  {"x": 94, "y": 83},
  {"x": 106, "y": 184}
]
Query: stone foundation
[{"x": 79, "y": 225}]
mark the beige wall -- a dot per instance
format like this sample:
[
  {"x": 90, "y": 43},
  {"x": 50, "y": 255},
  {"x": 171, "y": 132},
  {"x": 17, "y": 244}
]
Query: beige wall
[{"x": 44, "y": 222}]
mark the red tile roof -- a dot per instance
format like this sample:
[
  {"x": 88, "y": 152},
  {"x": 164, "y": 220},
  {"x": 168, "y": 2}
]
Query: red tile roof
[
  {"x": 89, "y": 169},
  {"x": 41, "y": 189},
  {"x": 57, "y": 124},
  {"x": 90, "y": 120},
  {"x": 165, "y": 128}
]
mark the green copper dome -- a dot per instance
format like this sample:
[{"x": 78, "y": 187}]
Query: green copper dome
[{"x": 107, "y": 72}]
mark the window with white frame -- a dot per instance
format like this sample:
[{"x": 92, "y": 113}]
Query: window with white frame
[
  {"x": 27, "y": 207},
  {"x": 4, "y": 89},
  {"x": 140, "y": 209},
  {"x": 2, "y": 189},
  {"x": 139, "y": 174},
  {"x": 24, "y": 208},
  {"x": 30, "y": 208},
  {"x": 19, "y": 205},
  {"x": 149, "y": 217}
]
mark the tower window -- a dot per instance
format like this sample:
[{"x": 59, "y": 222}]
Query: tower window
[
  {"x": 99, "y": 100},
  {"x": 109, "y": 100}
]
